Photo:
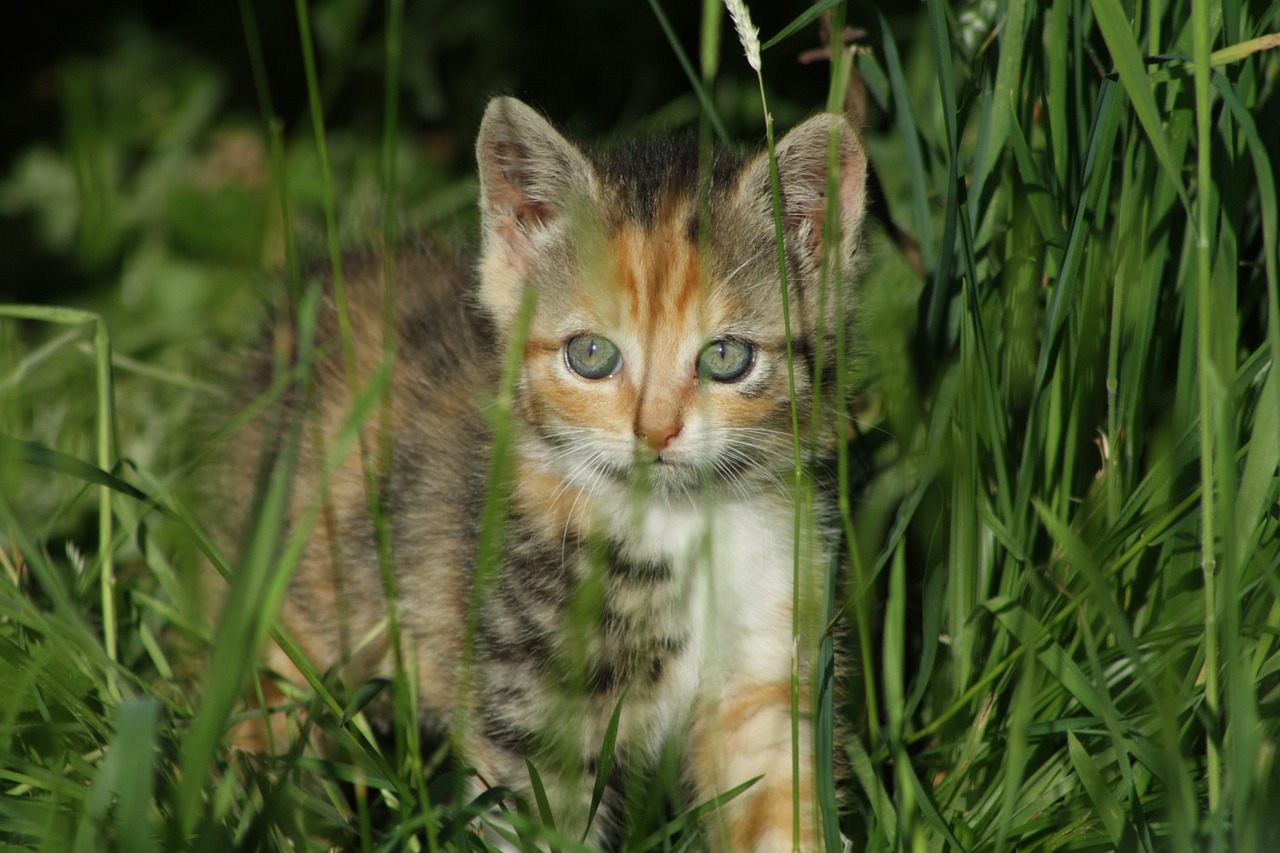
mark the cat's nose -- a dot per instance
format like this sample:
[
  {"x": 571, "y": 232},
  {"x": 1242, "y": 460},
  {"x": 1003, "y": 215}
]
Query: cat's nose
[{"x": 657, "y": 437}]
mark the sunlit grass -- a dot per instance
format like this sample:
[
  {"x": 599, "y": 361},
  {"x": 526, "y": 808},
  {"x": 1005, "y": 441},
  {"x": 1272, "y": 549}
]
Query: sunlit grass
[{"x": 1062, "y": 584}]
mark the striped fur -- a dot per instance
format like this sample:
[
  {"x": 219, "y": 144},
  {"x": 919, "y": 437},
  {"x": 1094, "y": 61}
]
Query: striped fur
[{"x": 649, "y": 544}]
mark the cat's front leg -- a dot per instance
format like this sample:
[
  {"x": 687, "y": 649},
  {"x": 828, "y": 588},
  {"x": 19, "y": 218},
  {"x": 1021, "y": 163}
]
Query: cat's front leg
[
  {"x": 511, "y": 740},
  {"x": 568, "y": 796},
  {"x": 745, "y": 733}
]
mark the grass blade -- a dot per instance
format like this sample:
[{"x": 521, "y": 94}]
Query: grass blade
[
  {"x": 540, "y": 797},
  {"x": 1105, "y": 805},
  {"x": 704, "y": 97},
  {"x": 605, "y": 766},
  {"x": 1133, "y": 76},
  {"x": 804, "y": 19}
]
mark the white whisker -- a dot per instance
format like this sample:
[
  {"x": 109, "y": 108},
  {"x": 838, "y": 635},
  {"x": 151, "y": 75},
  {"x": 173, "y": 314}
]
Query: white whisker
[{"x": 723, "y": 285}]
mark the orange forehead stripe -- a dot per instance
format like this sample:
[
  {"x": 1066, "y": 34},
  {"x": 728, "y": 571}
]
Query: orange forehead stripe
[{"x": 658, "y": 271}]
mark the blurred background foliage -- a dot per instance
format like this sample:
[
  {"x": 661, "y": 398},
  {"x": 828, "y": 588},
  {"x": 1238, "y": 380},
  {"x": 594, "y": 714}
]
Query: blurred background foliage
[
  {"x": 136, "y": 175},
  {"x": 140, "y": 124}
]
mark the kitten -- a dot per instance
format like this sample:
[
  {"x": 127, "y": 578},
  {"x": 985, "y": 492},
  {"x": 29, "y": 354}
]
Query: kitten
[{"x": 648, "y": 548}]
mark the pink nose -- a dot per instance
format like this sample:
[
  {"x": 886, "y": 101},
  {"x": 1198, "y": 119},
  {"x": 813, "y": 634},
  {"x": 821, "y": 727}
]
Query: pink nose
[{"x": 658, "y": 437}]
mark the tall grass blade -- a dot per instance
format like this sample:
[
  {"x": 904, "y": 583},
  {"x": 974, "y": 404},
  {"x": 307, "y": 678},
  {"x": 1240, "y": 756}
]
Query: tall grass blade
[
  {"x": 1137, "y": 85},
  {"x": 1105, "y": 805},
  {"x": 999, "y": 105},
  {"x": 904, "y": 118},
  {"x": 938, "y": 293},
  {"x": 540, "y": 797},
  {"x": 605, "y": 766},
  {"x": 38, "y": 455},
  {"x": 804, "y": 19},
  {"x": 704, "y": 96}
]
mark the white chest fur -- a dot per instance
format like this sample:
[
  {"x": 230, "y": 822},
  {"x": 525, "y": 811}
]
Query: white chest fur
[{"x": 735, "y": 562}]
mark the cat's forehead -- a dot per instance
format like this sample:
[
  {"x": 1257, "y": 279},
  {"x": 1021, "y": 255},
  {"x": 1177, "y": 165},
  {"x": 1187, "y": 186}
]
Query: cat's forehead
[
  {"x": 651, "y": 179},
  {"x": 658, "y": 276},
  {"x": 645, "y": 263},
  {"x": 649, "y": 279}
]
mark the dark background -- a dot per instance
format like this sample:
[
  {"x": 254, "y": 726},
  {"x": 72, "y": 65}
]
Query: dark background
[{"x": 595, "y": 67}]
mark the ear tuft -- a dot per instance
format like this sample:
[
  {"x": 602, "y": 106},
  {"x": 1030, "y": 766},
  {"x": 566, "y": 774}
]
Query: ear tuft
[
  {"x": 529, "y": 173},
  {"x": 530, "y": 178},
  {"x": 804, "y": 155}
]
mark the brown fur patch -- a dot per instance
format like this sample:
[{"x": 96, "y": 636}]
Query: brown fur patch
[{"x": 585, "y": 603}]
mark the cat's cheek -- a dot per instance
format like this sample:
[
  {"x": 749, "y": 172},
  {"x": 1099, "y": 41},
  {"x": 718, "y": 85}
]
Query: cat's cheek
[
  {"x": 557, "y": 397},
  {"x": 741, "y": 410}
]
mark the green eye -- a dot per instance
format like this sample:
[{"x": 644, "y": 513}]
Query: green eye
[
  {"x": 592, "y": 357},
  {"x": 725, "y": 361}
]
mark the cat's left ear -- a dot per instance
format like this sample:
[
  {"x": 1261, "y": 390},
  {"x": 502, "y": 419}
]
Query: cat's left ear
[
  {"x": 531, "y": 179},
  {"x": 804, "y": 156}
]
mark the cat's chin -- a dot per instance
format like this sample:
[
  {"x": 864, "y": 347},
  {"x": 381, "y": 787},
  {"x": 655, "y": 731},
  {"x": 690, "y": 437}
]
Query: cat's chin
[
  {"x": 668, "y": 480},
  {"x": 664, "y": 478}
]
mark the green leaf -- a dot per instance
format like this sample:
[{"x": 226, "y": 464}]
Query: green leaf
[
  {"x": 1105, "y": 804},
  {"x": 540, "y": 797},
  {"x": 805, "y": 18},
  {"x": 605, "y": 765},
  {"x": 1004, "y": 95},
  {"x": 1036, "y": 638},
  {"x": 365, "y": 693},
  {"x": 36, "y": 454},
  {"x": 1133, "y": 76},
  {"x": 691, "y": 816},
  {"x": 904, "y": 118},
  {"x": 704, "y": 97}
]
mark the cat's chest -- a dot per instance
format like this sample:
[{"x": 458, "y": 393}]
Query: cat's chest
[
  {"x": 726, "y": 572},
  {"x": 694, "y": 596}
]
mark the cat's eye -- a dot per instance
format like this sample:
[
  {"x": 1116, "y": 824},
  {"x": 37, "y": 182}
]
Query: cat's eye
[
  {"x": 725, "y": 360},
  {"x": 592, "y": 357}
]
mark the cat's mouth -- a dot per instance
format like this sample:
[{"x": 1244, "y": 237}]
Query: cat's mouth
[
  {"x": 668, "y": 473},
  {"x": 651, "y": 472}
]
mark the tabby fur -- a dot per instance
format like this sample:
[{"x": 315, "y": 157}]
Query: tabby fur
[{"x": 648, "y": 546}]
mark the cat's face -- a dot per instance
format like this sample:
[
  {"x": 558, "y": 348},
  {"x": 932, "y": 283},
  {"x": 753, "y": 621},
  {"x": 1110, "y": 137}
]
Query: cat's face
[
  {"x": 654, "y": 354},
  {"x": 650, "y": 362}
]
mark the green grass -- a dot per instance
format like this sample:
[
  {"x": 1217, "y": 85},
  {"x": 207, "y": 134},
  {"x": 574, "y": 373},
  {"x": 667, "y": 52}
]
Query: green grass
[{"x": 1063, "y": 580}]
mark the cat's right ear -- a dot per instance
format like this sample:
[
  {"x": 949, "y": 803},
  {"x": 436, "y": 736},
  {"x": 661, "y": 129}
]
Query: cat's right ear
[{"x": 530, "y": 176}]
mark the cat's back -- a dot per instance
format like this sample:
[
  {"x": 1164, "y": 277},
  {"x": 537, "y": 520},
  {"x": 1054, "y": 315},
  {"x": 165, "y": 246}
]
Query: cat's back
[
  {"x": 401, "y": 332},
  {"x": 388, "y": 410}
]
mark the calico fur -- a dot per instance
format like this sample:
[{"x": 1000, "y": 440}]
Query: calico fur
[{"x": 648, "y": 545}]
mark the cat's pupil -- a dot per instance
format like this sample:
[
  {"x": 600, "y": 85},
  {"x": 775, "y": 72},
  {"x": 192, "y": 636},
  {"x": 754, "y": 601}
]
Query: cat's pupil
[
  {"x": 592, "y": 357},
  {"x": 725, "y": 360}
]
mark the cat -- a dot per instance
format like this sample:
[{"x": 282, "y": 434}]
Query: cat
[{"x": 648, "y": 547}]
